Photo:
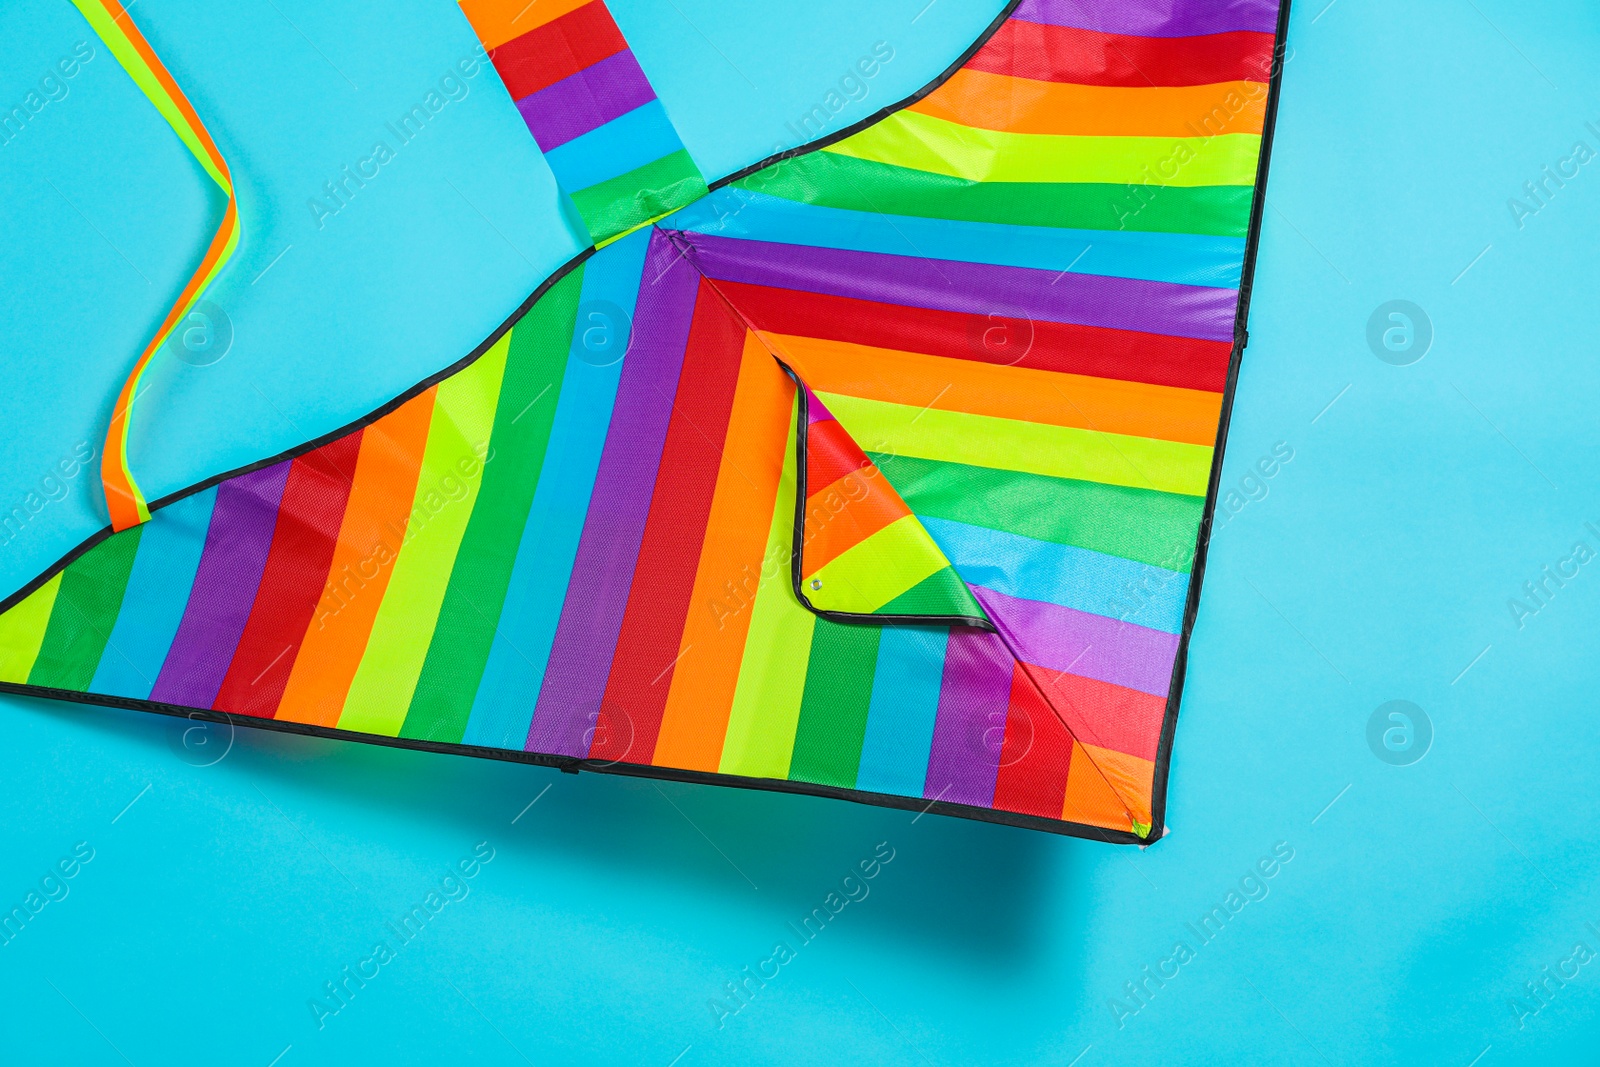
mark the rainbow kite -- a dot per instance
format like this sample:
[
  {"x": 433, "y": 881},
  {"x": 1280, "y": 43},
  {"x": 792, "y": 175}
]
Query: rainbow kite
[{"x": 880, "y": 470}]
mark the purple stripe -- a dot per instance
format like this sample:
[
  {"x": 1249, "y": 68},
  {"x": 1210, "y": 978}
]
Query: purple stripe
[
  {"x": 224, "y": 588},
  {"x": 1154, "y": 18},
  {"x": 597, "y": 592},
  {"x": 974, "y": 697},
  {"x": 1076, "y": 642},
  {"x": 586, "y": 100},
  {"x": 974, "y": 288}
]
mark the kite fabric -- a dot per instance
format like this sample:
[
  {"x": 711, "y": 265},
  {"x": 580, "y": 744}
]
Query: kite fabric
[{"x": 882, "y": 470}]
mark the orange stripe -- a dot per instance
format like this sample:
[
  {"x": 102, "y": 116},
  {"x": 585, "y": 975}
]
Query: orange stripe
[
  {"x": 121, "y": 499},
  {"x": 197, "y": 281},
  {"x": 119, "y": 15},
  {"x": 370, "y": 538},
  {"x": 712, "y": 646},
  {"x": 1021, "y": 105},
  {"x": 1131, "y": 777},
  {"x": 499, "y": 21},
  {"x": 1089, "y": 798},
  {"x": 121, "y": 502},
  {"x": 214, "y": 252},
  {"x": 846, "y": 513},
  {"x": 1107, "y": 405}
]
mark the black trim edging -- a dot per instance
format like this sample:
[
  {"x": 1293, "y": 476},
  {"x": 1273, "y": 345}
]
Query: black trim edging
[
  {"x": 573, "y": 765},
  {"x": 877, "y": 116},
  {"x": 1241, "y": 338},
  {"x": 311, "y": 446},
  {"x": 499, "y": 331},
  {"x": 797, "y": 544}
]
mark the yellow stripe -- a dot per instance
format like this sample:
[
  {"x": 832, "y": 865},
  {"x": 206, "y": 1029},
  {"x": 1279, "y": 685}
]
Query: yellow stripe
[
  {"x": 772, "y": 676},
  {"x": 923, "y": 142},
  {"x": 22, "y": 631},
  {"x": 463, "y": 418},
  {"x": 868, "y": 575},
  {"x": 1022, "y": 394},
  {"x": 122, "y": 38},
  {"x": 728, "y": 576},
  {"x": 123, "y": 50},
  {"x": 1036, "y": 448}
]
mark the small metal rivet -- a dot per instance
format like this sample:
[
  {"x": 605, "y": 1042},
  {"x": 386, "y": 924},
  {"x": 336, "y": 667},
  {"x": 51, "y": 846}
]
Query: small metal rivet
[{"x": 816, "y": 583}]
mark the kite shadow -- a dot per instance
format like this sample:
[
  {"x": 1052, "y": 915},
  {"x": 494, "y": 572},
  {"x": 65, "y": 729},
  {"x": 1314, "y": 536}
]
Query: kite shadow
[{"x": 949, "y": 887}]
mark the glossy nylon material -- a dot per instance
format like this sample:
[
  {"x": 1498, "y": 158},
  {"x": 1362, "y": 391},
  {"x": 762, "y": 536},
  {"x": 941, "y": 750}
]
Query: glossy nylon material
[{"x": 836, "y": 515}]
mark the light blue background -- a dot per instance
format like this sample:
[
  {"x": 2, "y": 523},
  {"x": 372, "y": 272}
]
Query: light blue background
[{"x": 1378, "y": 567}]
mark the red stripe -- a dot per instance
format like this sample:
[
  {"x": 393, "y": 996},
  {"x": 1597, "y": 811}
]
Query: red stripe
[
  {"x": 303, "y": 540},
  {"x": 558, "y": 49},
  {"x": 1126, "y": 355},
  {"x": 1035, "y": 755},
  {"x": 1086, "y": 57},
  {"x": 1114, "y": 717},
  {"x": 831, "y": 454},
  {"x": 674, "y": 533}
]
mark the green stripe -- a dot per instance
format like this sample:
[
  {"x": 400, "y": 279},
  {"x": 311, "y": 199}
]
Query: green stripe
[
  {"x": 85, "y": 611},
  {"x": 833, "y": 711},
  {"x": 22, "y": 631},
  {"x": 1036, "y": 447},
  {"x": 529, "y": 392},
  {"x": 839, "y": 181},
  {"x": 619, "y": 204},
  {"x": 940, "y": 593},
  {"x": 829, "y": 179},
  {"x": 447, "y": 489},
  {"x": 939, "y": 146},
  {"x": 1138, "y": 524},
  {"x": 133, "y": 62},
  {"x": 876, "y": 569}
]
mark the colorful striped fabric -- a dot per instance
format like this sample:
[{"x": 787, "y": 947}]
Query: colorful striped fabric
[
  {"x": 882, "y": 472},
  {"x": 859, "y": 549},
  {"x": 605, "y": 135}
]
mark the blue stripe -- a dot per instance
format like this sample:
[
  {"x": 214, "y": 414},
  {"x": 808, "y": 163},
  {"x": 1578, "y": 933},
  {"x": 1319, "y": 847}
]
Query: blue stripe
[
  {"x": 1189, "y": 259},
  {"x": 1062, "y": 574},
  {"x": 626, "y": 143},
  {"x": 158, "y": 591},
  {"x": 904, "y": 705},
  {"x": 503, "y": 708}
]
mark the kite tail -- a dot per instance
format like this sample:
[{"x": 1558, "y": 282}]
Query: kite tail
[{"x": 115, "y": 28}]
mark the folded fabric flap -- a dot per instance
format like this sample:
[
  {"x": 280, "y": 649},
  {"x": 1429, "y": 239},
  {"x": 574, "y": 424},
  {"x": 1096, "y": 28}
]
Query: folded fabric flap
[
  {"x": 945, "y": 481},
  {"x": 859, "y": 552}
]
